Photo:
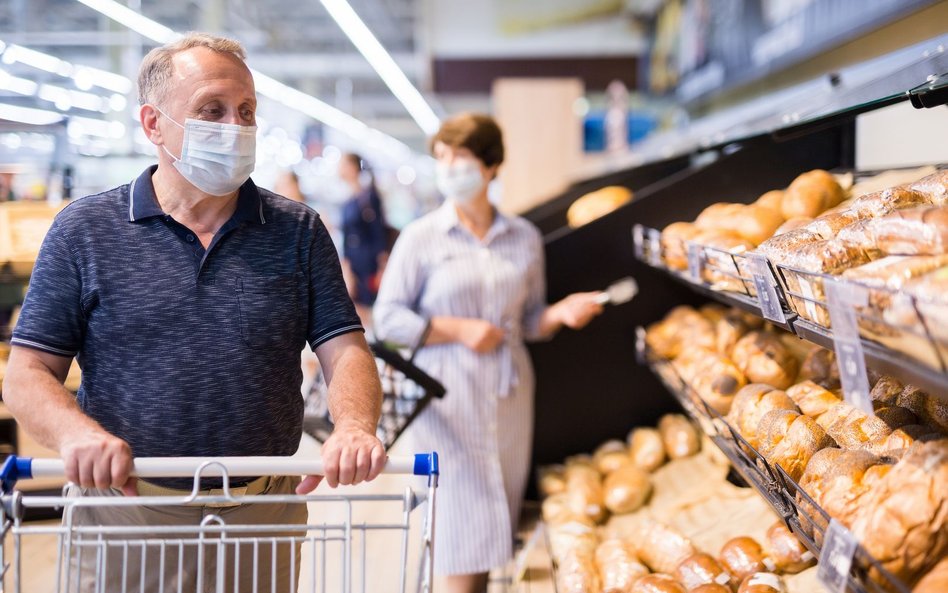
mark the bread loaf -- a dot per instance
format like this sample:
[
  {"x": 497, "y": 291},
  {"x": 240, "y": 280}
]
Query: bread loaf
[
  {"x": 683, "y": 325},
  {"x": 885, "y": 391},
  {"x": 785, "y": 549},
  {"x": 772, "y": 199},
  {"x": 572, "y": 539},
  {"x": 828, "y": 225},
  {"x": 577, "y": 573},
  {"x": 810, "y": 194},
  {"x": 883, "y": 202},
  {"x": 860, "y": 235},
  {"x": 935, "y": 581},
  {"x": 763, "y": 358},
  {"x": 610, "y": 456},
  {"x": 934, "y": 187},
  {"x": 626, "y": 489},
  {"x": 584, "y": 488},
  {"x": 662, "y": 548},
  {"x": 596, "y": 204},
  {"x": 772, "y": 429},
  {"x": 552, "y": 480},
  {"x": 827, "y": 257},
  {"x": 803, "y": 439},
  {"x": 742, "y": 557},
  {"x": 762, "y": 582},
  {"x": 673, "y": 242},
  {"x": 732, "y": 327},
  {"x": 679, "y": 436},
  {"x": 793, "y": 224},
  {"x": 820, "y": 367},
  {"x": 657, "y": 583},
  {"x": 896, "y": 417},
  {"x": 749, "y": 406},
  {"x": 717, "y": 380},
  {"x": 853, "y": 428},
  {"x": 701, "y": 569},
  {"x": 782, "y": 248},
  {"x": 712, "y": 588},
  {"x": 899, "y": 441},
  {"x": 756, "y": 223},
  {"x": 903, "y": 522},
  {"x": 915, "y": 231},
  {"x": 618, "y": 565},
  {"x": 647, "y": 448},
  {"x": 812, "y": 399},
  {"x": 838, "y": 480}
]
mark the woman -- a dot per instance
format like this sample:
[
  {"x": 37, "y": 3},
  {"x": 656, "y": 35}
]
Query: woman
[
  {"x": 364, "y": 232},
  {"x": 466, "y": 284}
]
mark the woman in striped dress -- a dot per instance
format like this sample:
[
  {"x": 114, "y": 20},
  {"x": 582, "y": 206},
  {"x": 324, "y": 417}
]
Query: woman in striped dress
[{"x": 466, "y": 285}]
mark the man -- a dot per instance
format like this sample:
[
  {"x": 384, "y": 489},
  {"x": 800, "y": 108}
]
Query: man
[{"x": 187, "y": 296}]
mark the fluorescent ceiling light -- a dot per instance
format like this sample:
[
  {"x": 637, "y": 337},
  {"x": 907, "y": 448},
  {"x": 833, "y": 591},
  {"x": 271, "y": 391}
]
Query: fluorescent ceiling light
[
  {"x": 266, "y": 86},
  {"x": 36, "y": 59},
  {"x": 384, "y": 65},
  {"x": 85, "y": 77},
  {"x": 15, "y": 84},
  {"x": 59, "y": 95},
  {"x": 28, "y": 115}
]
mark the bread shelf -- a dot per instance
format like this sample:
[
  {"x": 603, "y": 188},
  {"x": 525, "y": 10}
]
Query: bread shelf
[
  {"x": 794, "y": 308},
  {"x": 801, "y": 514}
]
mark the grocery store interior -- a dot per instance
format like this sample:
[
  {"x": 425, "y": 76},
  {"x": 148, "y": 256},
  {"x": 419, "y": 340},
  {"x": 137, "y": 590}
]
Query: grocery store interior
[{"x": 756, "y": 191}]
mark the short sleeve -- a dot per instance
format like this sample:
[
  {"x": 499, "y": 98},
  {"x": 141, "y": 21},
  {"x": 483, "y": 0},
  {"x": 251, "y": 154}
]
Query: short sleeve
[
  {"x": 52, "y": 318},
  {"x": 331, "y": 310}
]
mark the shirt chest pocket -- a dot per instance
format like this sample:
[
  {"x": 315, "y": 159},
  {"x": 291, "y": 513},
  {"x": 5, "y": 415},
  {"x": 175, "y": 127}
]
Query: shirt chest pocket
[{"x": 270, "y": 315}]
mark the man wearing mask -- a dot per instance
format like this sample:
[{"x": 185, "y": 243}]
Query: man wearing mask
[{"x": 186, "y": 296}]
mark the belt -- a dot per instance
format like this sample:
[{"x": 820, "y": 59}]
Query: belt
[{"x": 253, "y": 488}]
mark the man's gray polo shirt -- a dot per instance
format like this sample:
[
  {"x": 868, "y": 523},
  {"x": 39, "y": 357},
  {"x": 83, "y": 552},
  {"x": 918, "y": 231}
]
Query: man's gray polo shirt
[{"x": 187, "y": 352}]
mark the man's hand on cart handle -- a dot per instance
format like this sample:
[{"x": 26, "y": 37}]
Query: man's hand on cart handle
[
  {"x": 97, "y": 459},
  {"x": 351, "y": 455}
]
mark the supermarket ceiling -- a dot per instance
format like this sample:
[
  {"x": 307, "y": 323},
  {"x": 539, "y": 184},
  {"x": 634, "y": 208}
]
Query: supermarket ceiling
[{"x": 450, "y": 50}]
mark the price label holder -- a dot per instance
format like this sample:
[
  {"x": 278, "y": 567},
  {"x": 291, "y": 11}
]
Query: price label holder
[
  {"x": 766, "y": 286},
  {"x": 842, "y": 298},
  {"x": 655, "y": 247},
  {"x": 638, "y": 241},
  {"x": 836, "y": 557},
  {"x": 640, "y": 346},
  {"x": 696, "y": 259}
]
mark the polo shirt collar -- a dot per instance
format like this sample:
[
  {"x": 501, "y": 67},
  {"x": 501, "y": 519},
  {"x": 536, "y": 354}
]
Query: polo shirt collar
[
  {"x": 447, "y": 219},
  {"x": 143, "y": 203}
]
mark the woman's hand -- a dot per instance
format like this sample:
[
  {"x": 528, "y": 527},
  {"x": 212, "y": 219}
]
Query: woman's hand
[
  {"x": 479, "y": 335},
  {"x": 577, "y": 310}
]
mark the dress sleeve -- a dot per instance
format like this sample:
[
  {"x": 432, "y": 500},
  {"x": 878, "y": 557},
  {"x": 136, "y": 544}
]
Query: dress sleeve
[
  {"x": 396, "y": 308},
  {"x": 52, "y": 318}
]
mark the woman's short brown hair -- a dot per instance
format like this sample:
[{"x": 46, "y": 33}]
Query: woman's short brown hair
[{"x": 476, "y": 132}]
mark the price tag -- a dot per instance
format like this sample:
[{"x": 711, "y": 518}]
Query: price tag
[
  {"x": 638, "y": 241},
  {"x": 640, "y": 346},
  {"x": 842, "y": 298},
  {"x": 836, "y": 557},
  {"x": 696, "y": 257},
  {"x": 766, "y": 286},
  {"x": 655, "y": 247}
]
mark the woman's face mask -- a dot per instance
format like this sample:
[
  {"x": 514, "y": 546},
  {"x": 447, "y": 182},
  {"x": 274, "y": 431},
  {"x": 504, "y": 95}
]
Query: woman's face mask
[
  {"x": 215, "y": 158},
  {"x": 460, "y": 181}
]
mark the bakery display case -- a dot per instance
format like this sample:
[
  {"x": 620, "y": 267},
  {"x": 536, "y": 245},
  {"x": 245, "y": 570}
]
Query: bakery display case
[{"x": 711, "y": 232}]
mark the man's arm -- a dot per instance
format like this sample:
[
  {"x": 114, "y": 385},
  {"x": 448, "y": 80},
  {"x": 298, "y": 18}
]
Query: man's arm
[
  {"x": 353, "y": 453},
  {"x": 34, "y": 393}
]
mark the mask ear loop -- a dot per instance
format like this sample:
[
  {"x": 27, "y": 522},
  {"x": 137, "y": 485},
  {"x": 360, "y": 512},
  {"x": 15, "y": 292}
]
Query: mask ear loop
[{"x": 172, "y": 120}]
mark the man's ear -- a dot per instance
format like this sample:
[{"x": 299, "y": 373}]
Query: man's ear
[{"x": 148, "y": 116}]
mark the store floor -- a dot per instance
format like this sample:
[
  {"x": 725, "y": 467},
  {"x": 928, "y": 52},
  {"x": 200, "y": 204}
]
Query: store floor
[{"x": 382, "y": 551}]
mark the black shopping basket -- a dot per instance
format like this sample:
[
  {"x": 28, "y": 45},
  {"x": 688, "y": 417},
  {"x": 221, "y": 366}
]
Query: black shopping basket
[{"x": 406, "y": 390}]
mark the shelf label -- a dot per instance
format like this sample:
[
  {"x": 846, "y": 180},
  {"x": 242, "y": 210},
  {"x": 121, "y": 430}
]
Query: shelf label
[
  {"x": 638, "y": 241},
  {"x": 655, "y": 247},
  {"x": 842, "y": 298},
  {"x": 766, "y": 286},
  {"x": 836, "y": 557},
  {"x": 640, "y": 346},
  {"x": 696, "y": 257}
]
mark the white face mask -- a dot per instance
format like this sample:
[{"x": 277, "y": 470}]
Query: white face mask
[
  {"x": 461, "y": 181},
  {"x": 216, "y": 158}
]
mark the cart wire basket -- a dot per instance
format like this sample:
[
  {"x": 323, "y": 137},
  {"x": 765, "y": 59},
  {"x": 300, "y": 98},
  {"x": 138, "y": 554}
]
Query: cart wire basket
[
  {"x": 406, "y": 391},
  {"x": 337, "y": 547}
]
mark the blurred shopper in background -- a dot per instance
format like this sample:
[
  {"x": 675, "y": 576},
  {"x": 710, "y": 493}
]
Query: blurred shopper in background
[
  {"x": 466, "y": 283},
  {"x": 364, "y": 232},
  {"x": 288, "y": 185}
]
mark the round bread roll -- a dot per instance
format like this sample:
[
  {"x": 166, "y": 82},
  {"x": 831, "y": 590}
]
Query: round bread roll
[
  {"x": 701, "y": 569},
  {"x": 647, "y": 448},
  {"x": 935, "y": 581},
  {"x": 810, "y": 194},
  {"x": 618, "y": 565},
  {"x": 855, "y": 428},
  {"x": 552, "y": 480},
  {"x": 773, "y": 427},
  {"x": 596, "y": 204},
  {"x": 674, "y": 244},
  {"x": 812, "y": 399},
  {"x": 556, "y": 510},
  {"x": 713, "y": 312},
  {"x": 610, "y": 456},
  {"x": 772, "y": 199},
  {"x": 787, "y": 552},
  {"x": 717, "y": 380},
  {"x": 762, "y": 582},
  {"x": 584, "y": 488},
  {"x": 797, "y": 222},
  {"x": 718, "y": 216},
  {"x": 712, "y": 588},
  {"x": 626, "y": 489},
  {"x": 577, "y": 573},
  {"x": 886, "y": 391},
  {"x": 763, "y": 358},
  {"x": 839, "y": 482},
  {"x": 742, "y": 556},
  {"x": 749, "y": 406},
  {"x": 572, "y": 538},
  {"x": 662, "y": 548},
  {"x": 679, "y": 436},
  {"x": 803, "y": 439},
  {"x": 903, "y": 521},
  {"x": 657, "y": 583},
  {"x": 682, "y": 326},
  {"x": 728, "y": 330},
  {"x": 896, "y": 417},
  {"x": 756, "y": 223},
  {"x": 820, "y": 367}
]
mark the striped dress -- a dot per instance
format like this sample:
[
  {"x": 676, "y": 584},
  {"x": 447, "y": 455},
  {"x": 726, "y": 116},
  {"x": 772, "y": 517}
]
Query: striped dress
[{"x": 483, "y": 426}]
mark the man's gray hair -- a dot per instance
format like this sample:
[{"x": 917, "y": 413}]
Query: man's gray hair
[{"x": 154, "y": 75}]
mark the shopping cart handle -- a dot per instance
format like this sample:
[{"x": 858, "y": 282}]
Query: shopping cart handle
[{"x": 17, "y": 468}]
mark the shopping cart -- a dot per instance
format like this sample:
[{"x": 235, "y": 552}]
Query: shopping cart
[{"x": 333, "y": 548}]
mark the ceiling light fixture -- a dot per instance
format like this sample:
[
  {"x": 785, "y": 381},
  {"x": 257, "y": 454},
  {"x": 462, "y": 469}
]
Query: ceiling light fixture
[
  {"x": 383, "y": 63},
  {"x": 267, "y": 86},
  {"x": 28, "y": 115}
]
